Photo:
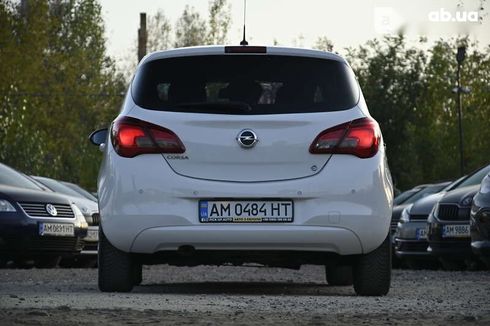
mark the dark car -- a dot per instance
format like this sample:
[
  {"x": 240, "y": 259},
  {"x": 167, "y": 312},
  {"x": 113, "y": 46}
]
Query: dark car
[
  {"x": 448, "y": 224},
  {"x": 480, "y": 222},
  {"x": 411, "y": 235},
  {"x": 35, "y": 224},
  {"x": 90, "y": 210},
  {"x": 416, "y": 194},
  {"x": 449, "y": 228}
]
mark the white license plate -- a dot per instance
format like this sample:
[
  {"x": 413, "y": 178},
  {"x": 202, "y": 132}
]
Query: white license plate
[
  {"x": 211, "y": 211},
  {"x": 456, "y": 231},
  {"x": 421, "y": 233},
  {"x": 92, "y": 234},
  {"x": 56, "y": 229}
]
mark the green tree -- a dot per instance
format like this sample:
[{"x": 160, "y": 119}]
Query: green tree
[
  {"x": 476, "y": 106},
  {"x": 219, "y": 22},
  {"x": 190, "y": 29},
  {"x": 24, "y": 40},
  {"x": 324, "y": 44},
  {"x": 159, "y": 31},
  {"x": 59, "y": 87},
  {"x": 435, "y": 132},
  {"x": 409, "y": 91}
]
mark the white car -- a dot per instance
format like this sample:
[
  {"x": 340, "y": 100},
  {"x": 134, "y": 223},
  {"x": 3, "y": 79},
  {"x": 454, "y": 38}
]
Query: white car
[{"x": 245, "y": 154}]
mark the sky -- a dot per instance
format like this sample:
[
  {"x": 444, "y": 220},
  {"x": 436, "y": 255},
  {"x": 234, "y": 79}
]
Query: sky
[{"x": 300, "y": 22}]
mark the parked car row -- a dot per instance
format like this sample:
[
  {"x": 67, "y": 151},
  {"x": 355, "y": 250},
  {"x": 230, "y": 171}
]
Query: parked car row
[
  {"x": 46, "y": 222},
  {"x": 450, "y": 227}
]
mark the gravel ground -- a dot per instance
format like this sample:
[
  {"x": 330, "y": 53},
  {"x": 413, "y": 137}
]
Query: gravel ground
[{"x": 240, "y": 296}]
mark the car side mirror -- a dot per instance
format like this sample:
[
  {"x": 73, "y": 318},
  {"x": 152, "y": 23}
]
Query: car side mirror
[{"x": 99, "y": 138}]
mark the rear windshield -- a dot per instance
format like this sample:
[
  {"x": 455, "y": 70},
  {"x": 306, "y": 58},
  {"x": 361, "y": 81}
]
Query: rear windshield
[{"x": 245, "y": 84}]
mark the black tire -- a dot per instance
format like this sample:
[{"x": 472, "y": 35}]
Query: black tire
[
  {"x": 339, "y": 275},
  {"x": 116, "y": 270},
  {"x": 47, "y": 262},
  {"x": 372, "y": 271}
]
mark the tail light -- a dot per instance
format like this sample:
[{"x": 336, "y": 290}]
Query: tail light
[
  {"x": 131, "y": 137},
  {"x": 359, "y": 137}
]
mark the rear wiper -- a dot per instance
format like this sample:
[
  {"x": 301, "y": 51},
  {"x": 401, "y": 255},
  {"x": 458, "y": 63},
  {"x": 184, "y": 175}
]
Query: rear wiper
[{"x": 221, "y": 107}]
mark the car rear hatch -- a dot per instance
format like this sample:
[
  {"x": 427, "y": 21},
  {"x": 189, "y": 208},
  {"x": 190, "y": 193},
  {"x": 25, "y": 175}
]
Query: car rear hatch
[{"x": 245, "y": 117}]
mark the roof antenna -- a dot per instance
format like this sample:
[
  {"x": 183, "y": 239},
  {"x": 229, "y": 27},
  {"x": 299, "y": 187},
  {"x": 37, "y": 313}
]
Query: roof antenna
[{"x": 244, "y": 41}]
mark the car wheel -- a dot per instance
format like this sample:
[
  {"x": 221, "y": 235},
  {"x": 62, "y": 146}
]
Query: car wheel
[
  {"x": 47, "y": 262},
  {"x": 372, "y": 271},
  {"x": 116, "y": 270},
  {"x": 339, "y": 275}
]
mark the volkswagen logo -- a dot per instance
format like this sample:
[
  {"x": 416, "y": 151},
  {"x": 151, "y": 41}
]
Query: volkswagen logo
[
  {"x": 247, "y": 138},
  {"x": 51, "y": 210}
]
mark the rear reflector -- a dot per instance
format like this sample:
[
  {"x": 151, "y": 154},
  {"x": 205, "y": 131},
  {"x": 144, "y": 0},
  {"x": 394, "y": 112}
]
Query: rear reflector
[
  {"x": 359, "y": 137},
  {"x": 245, "y": 49},
  {"x": 131, "y": 137}
]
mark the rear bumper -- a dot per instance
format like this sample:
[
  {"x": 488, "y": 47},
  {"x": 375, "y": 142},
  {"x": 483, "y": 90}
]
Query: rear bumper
[
  {"x": 345, "y": 208},
  {"x": 248, "y": 237}
]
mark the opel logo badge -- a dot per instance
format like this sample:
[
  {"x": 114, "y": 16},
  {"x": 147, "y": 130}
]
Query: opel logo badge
[
  {"x": 51, "y": 210},
  {"x": 247, "y": 138}
]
